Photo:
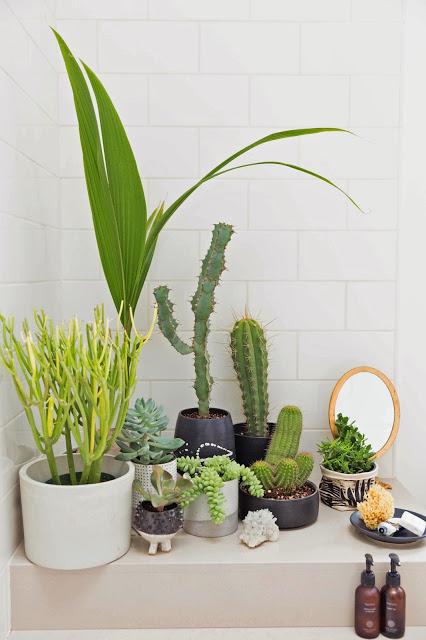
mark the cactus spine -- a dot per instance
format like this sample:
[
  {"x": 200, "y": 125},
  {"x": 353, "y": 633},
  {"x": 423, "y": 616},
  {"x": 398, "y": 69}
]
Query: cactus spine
[
  {"x": 265, "y": 473},
  {"x": 250, "y": 357},
  {"x": 286, "y": 437},
  {"x": 284, "y": 468},
  {"x": 202, "y": 305},
  {"x": 286, "y": 474}
]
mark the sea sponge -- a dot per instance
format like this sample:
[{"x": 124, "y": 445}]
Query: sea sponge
[{"x": 377, "y": 507}]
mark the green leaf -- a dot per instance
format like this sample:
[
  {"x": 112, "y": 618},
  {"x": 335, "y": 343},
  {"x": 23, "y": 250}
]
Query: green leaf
[
  {"x": 126, "y": 237},
  {"x": 114, "y": 187}
]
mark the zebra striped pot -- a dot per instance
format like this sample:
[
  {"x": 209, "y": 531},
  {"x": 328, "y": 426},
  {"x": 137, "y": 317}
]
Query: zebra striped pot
[{"x": 342, "y": 491}]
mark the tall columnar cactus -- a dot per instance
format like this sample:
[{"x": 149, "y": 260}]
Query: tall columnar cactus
[
  {"x": 284, "y": 468},
  {"x": 286, "y": 437},
  {"x": 250, "y": 356},
  {"x": 202, "y": 305}
]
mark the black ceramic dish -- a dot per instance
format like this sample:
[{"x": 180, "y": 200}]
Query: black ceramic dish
[
  {"x": 250, "y": 448},
  {"x": 205, "y": 437},
  {"x": 290, "y": 514},
  {"x": 400, "y": 537}
]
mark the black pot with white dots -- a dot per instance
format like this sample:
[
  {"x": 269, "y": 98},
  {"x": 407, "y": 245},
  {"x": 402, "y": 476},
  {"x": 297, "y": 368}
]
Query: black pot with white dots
[{"x": 205, "y": 437}]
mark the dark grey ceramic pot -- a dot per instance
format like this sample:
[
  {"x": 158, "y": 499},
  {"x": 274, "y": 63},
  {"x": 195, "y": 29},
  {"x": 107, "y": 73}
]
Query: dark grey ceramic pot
[
  {"x": 158, "y": 523},
  {"x": 205, "y": 437},
  {"x": 289, "y": 513},
  {"x": 250, "y": 448}
]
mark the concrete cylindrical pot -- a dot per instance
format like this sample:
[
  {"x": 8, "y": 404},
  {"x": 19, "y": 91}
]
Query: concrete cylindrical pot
[
  {"x": 205, "y": 437},
  {"x": 76, "y": 527},
  {"x": 249, "y": 448},
  {"x": 196, "y": 517},
  {"x": 342, "y": 491},
  {"x": 143, "y": 474}
]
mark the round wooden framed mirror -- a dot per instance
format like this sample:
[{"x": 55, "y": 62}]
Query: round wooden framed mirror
[{"x": 368, "y": 397}]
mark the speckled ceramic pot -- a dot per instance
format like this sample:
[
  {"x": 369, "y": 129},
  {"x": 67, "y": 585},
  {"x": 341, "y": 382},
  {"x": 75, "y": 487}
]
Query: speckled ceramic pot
[{"x": 143, "y": 475}]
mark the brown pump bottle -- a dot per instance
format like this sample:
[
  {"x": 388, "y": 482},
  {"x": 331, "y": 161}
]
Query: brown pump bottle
[
  {"x": 367, "y": 603},
  {"x": 393, "y": 602}
]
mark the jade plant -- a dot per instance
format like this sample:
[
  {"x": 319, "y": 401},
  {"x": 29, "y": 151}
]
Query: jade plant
[
  {"x": 202, "y": 304},
  {"x": 284, "y": 468},
  {"x": 74, "y": 382},
  {"x": 141, "y": 438},
  {"x": 208, "y": 477},
  {"x": 126, "y": 233},
  {"x": 349, "y": 452},
  {"x": 250, "y": 357}
]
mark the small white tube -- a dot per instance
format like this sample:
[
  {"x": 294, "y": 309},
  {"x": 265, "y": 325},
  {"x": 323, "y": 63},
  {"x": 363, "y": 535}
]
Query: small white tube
[{"x": 387, "y": 528}]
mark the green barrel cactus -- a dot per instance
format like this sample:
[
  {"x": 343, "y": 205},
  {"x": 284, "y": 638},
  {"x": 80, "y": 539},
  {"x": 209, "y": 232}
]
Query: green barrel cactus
[
  {"x": 202, "y": 305},
  {"x": 286, "y": 437},
  {"x": 250, "y": 357},
  {"x": 284, "y": 468}
]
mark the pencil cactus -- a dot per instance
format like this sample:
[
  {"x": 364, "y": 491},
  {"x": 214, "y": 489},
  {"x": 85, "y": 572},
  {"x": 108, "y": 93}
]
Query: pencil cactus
[
  {"x": 202, "y": 304},
  {"x": 284, "y": 468},
  {"x": 250, "y": 357},
  {"x": 75, "y": 382}
]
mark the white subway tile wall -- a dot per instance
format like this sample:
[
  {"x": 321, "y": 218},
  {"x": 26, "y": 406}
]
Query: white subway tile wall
[
  {"x": 30, "y": 233},
  {"x": 194, "y": 81}
]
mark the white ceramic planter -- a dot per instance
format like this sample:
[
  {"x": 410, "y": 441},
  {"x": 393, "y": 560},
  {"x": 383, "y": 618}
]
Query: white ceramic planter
[
  {"x": 343, "y": 491},
  {"x": 196, "y": 517},
  {"x": 76, "y": 527},
  {"x": 143, "y": 474}
]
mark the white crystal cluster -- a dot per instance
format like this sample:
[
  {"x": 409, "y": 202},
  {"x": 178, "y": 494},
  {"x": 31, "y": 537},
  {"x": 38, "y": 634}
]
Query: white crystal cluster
[{"x": 259, "y": 526}]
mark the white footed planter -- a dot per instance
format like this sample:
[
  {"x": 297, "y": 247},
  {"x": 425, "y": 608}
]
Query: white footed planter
[
  {"x": 342, "y": 491},
  {"x": 76, "y": 527},
  {"x": 196, "y": 517},
  {"x": 143, "y": 474}
]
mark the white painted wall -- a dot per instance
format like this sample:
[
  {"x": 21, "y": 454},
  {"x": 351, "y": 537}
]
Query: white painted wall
[
  {"x": 30, "y": 252},
  {"x": 193, "y": 81}
]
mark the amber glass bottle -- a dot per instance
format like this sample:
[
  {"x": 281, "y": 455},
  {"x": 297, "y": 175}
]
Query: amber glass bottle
[
  {"x": 393, "y": 602},
  {"x": 367, "y": 603}
]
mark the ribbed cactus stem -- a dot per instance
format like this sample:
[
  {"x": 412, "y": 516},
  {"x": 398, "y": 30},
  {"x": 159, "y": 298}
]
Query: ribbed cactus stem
[
  {"x": 202, "y": 305},
  {"x": 264, "y": 473},
  {"x": 286, "y": 475},
  {"x": 250, "y": 357},
  {"x": 286, "y": 437},
  {"x": 166, "y": 320},
  {"x": 305, "y": 464}
]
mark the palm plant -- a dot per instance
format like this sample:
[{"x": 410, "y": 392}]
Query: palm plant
[{"x": 126, "y": 235}]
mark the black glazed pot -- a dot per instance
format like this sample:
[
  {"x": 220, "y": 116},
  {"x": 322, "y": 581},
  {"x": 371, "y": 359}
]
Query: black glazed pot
[
  {"x": 290, "y": 514},
  {"x": 250, "y": 448},
  {"x": 205, "y": 437},
  {"x": 158, "y": 523}
]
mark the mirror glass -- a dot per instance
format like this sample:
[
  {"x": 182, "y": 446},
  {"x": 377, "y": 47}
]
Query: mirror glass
[{"x": 369, "y": 398}]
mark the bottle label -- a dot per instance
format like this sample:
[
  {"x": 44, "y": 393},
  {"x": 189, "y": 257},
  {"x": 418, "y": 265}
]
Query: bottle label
[
  {"x": 391, "y": 626},
  {"x": 369, "y": 609}
]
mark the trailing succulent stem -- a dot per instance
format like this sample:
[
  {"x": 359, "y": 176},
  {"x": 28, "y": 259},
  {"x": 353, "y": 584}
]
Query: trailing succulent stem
[
  {"x": 286, "y": 437},
  {"x": 250, "y": 356},
  {"x": 202, "y": 305},
  {"x": 208, "y": 477},
  {"x": 284, "y": 468}
]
